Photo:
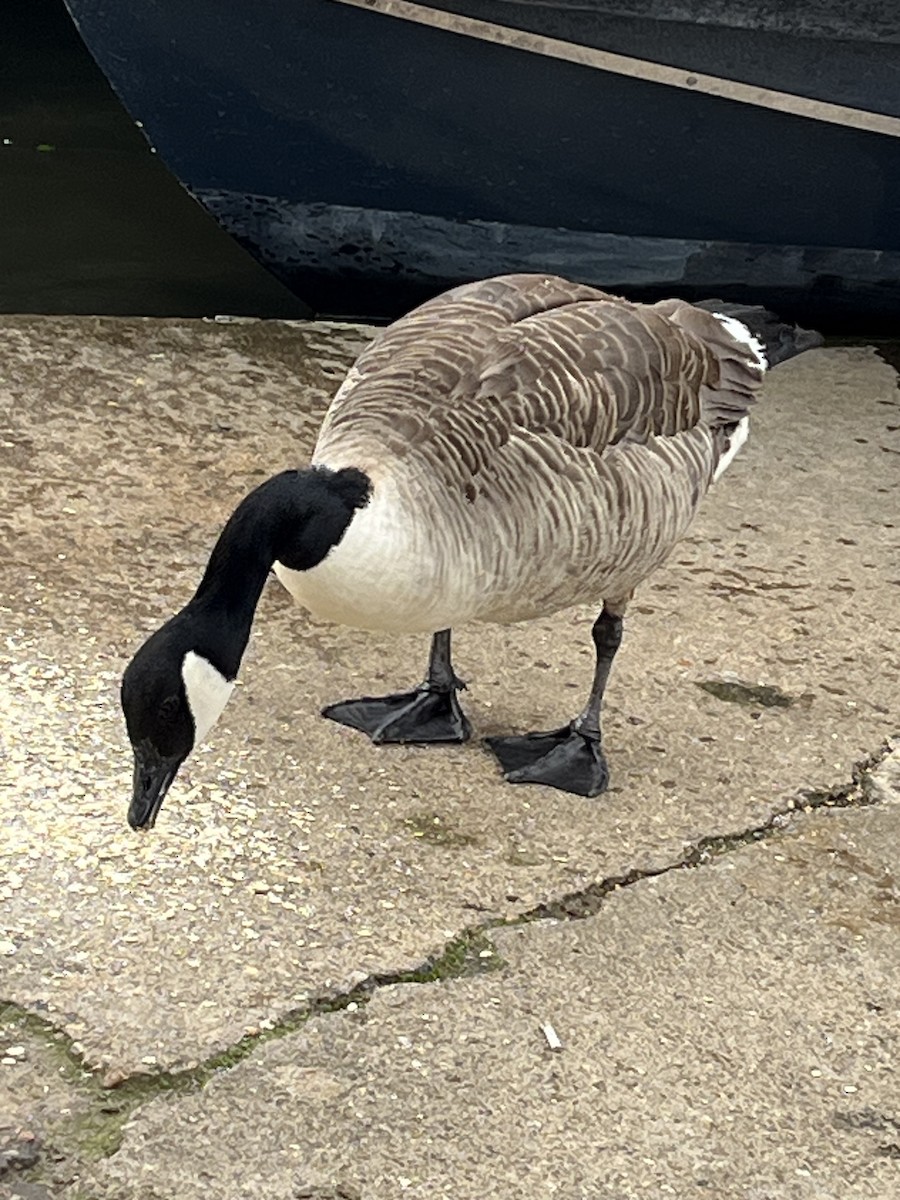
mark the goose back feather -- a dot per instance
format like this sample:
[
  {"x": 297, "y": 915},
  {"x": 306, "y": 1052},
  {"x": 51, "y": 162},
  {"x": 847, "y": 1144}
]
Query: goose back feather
[{"x": 532, "y": 443}]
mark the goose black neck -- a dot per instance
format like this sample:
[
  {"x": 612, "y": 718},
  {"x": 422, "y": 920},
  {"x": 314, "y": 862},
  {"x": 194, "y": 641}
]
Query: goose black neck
[{"x": 294, "y": 518}]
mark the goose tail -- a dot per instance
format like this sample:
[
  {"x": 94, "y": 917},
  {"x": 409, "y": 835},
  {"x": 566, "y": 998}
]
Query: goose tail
[{"x": 779, "y": 339}]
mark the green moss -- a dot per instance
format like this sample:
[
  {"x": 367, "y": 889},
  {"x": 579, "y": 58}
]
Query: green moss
[
  {"x": 520, "y": 858},
  {"x": 762, "y": 695},
  {"x": 709, "y": 848},
  {"x": 289, "y": 1023},
  {"x": 432, "y": 828},
  {"x": 56, "y": 1045},
  {"x": 94, "y": 1127},
  {"x": 94, "y": 1135},
  {"x": 472, "y": 953}
]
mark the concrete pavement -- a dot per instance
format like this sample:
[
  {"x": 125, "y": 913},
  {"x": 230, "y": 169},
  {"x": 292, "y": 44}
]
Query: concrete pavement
[{"x": 296, "y": 868}]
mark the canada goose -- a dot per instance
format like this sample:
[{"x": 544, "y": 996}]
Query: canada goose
[{"x": 508, "y": 449}]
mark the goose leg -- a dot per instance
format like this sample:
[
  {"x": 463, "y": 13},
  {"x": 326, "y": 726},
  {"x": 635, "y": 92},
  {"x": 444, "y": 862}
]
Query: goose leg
[
  {"x": 430, "y": 713},
  {"x": 570, "y": 758}
]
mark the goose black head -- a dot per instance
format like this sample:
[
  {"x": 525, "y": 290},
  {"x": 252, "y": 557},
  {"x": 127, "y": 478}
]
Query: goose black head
[
  {"x": 175, "y": 687},
  {"x": 172, "y": 695}
]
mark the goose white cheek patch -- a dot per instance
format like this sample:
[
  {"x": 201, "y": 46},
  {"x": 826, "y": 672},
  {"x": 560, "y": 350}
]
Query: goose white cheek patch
[{"x": 207, "y": 692}]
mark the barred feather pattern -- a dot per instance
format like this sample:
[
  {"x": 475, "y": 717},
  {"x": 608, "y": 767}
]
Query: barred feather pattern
[{"x": 533, "y": 443}]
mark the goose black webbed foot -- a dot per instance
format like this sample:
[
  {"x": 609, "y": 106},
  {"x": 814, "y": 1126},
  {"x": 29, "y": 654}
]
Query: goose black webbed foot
[
  {"x": 430, "y": 713},
  {"x": 424, "y": 715},
  {"x": 562, "y": 758},
  {"x": 570, "y": 759}
]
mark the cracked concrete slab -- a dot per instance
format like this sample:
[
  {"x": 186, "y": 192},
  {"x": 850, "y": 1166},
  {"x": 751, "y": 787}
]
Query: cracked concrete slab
[
  {"x": 48, "y": 1112},
  {"x": 729, "y": 1031},
  {"x": 292, "y": 858}
]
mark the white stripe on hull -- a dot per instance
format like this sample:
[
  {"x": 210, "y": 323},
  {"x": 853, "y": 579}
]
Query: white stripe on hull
[{"x": 636, "y": 68}]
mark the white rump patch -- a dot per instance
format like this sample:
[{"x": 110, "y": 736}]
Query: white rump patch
[
  {"x": 735, "y": 442},
  {"x": 742, "y": 334},
  {"x": 207, "y": 692}
]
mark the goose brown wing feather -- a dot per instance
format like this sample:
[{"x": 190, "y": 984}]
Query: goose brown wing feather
[
  {"x": 449, "y": 384},
  {"x": 596, "y": 373},
  {"x": 548, "y": 442},
  {"x": 426, "y": 357}
]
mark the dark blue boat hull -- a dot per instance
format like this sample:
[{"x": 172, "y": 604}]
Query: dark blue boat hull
[{"x": 369, "y": 161}]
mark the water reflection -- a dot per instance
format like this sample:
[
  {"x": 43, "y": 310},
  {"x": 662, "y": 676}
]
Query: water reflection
[{"x": 92, "y": 222}]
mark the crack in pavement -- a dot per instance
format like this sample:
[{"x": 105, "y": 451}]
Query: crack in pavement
[
  {"x": 112, "y": 1101},
  {"x": 112, "y": 1104},
  {"x": 587, "y": 901}
]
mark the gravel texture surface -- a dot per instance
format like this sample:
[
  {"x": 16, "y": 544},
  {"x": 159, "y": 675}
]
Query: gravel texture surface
[{"x": 292, "y": 859}]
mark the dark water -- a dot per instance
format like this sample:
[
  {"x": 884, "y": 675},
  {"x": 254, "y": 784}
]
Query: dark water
[{"x": 90, "y": 220}]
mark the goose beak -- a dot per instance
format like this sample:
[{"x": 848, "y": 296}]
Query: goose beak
[{"x": 153, "y": 775}]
